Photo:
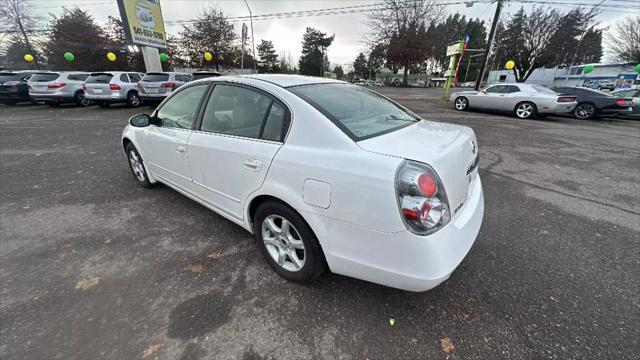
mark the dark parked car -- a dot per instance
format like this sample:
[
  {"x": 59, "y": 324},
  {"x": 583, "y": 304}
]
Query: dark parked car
[
  {"x": 592, "y": 103},
  {"x": 13, "y": 87},
  {"x": 204, "y": 74}
]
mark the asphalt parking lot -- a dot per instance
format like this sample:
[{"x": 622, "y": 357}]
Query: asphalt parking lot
[{"x": 94, "y": 267}]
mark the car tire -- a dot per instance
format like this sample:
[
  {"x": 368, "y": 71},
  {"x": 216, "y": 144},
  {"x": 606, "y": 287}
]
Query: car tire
[
  {"x": 80, "y": 100},
  {"x": 525, "y": 110},
  {"x": 461, "y": 103},
  {"x": 292, "y": 251},
  {"x": 584, "y": 111},
  {"x": 136, "y": 165},
  {"x": 104, "y": 104},
  {"x": 133, "y": 100}
]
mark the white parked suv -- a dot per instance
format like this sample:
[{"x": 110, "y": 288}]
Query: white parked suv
[
  {"x": 322, "y": 172},
  {"x": 155, "y": 86},
  {"x": 105, "y": 88},
  {"x": 55, "y": 88}
]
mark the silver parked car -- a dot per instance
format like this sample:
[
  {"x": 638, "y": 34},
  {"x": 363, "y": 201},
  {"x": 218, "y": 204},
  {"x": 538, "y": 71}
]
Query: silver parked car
[
  {"x": 523, "y": 100},
  {"x": 155, "y": 86},
  {"x": 55, "y": 88},
  {"x": 106, "y": 88}
]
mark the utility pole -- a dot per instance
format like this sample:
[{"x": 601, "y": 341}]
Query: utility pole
[
  {"x": 253, "y": 42},
  {"x": 321, "y": 60},
  {"x": 492, "y": 35}
]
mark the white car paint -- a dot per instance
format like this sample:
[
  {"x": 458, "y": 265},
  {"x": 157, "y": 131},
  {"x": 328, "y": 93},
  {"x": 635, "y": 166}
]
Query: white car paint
[{"x": 344, "y": 189}]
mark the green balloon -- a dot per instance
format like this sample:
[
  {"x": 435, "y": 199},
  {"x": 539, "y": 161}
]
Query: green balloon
[
  {"x": 164, "y": 57},
  {"x": 587, "y": 69},
  {"x": 69, "y": 56},
  {"x": 637, "y": 68}
]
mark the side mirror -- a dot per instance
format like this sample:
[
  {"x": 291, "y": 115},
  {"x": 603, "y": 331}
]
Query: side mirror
[
  {"x": 140, "y": 120},
  {"x": 484, "y": 91}
]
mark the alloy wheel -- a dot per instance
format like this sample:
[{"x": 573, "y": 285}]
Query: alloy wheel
[
  {"x": 83, "y": 100},
  {"x": 524, "y": 110},
  {"x": 461, "y": 103},
  {"x": 134, "y": 100},
  {"x": 136, "y": 165},
  {"x": 283, "y": 242},
  {"x": 584, "y": 111}
]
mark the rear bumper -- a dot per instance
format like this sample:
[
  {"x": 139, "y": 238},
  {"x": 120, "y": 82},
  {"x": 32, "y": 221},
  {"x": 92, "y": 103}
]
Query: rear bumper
[
  {"x": 616, "y": 111},
  {"x": 157, "y": 97},
  {"x": 401, "y": 260},
  {"x": 54, "y": 97},
  {"x": 112, "y": 98}
]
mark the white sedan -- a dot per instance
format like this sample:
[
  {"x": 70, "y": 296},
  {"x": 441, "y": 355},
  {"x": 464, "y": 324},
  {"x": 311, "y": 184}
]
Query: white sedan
[{"x": 323, "y": 173}]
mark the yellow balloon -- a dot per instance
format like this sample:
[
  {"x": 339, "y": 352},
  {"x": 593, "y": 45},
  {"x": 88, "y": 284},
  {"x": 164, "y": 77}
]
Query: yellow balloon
[
  {"x": 208, "y": 56},
  {"x": 111, "y": 56},
  {"x": 28, "y": 57},
  {"x": 510, "y": 64}
]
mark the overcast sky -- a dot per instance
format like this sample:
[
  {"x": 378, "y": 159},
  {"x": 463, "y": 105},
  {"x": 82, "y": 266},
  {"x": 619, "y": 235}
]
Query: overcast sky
[{"x": 286, "y": 34}]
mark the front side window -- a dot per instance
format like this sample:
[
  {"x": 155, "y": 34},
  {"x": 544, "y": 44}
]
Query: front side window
[
  {"x": 359, "y": 112},
  {"x": 497, "y": 89},
  {"x": 124, "y": 78},
  {"x": 181, "y": 109},
  {"x": 236, "y": 111}
]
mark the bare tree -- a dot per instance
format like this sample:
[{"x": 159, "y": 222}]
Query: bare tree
[
  {"x": 400, "y": 26},
  {"x": 18, "y": 19},
  {"x": 624, "y": 40}
]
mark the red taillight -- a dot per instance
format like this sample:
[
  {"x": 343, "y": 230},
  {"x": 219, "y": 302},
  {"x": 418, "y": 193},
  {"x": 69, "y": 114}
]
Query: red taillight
[
  {"x": 114, "y": 87},
  {"x": 168, "y": 85},
  {"x": 566, "y": 99},
  {"x": 623, "y": 102},
  {"x": 427, "y": 185},
  {"x": 423, "y": 202},
  {"x": 56, "y": 86}
]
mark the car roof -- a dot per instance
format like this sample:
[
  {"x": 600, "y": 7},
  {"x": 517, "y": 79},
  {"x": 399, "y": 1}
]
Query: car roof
[{"x": 291, "y": 80}]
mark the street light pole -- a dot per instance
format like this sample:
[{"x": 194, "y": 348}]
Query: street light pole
[{"x": 492, "y": 35}]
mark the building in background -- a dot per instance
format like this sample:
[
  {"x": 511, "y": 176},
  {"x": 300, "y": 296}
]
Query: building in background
[{"x": 622, "y": 75}]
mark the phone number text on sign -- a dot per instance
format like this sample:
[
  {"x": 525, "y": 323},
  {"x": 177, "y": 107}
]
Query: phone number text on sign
[{"x": 148, "y": 33}]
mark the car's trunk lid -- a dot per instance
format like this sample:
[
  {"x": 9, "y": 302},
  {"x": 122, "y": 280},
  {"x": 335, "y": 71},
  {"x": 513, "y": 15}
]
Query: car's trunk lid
[
  {"x": 39, "y": 83},
  {"x": 451, "y": 150}
]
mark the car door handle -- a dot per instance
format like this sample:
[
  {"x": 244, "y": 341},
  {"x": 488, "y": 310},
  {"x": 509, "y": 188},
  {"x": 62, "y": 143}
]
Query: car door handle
[
  {"x": 252, "y": 164},
  {"x": 180, "y": 149}
]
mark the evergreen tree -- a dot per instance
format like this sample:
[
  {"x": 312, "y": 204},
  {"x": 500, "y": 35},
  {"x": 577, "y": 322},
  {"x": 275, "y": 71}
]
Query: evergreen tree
[
  {"x": 339, "y": 72},
  {"x": 268, "y": 58},
  {"x": 212, "y": 32},
  {"x": 361, "y": 67},
  {"x": 314, "y": 47},
  {"x": 77, "y": 32}
]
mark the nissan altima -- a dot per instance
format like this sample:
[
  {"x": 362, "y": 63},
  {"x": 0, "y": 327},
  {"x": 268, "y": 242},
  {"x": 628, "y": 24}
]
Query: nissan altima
[{"x": 325, "y": 174}]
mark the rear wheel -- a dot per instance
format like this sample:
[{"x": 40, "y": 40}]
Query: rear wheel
[
  {"x": 287, "y": 242},
  {"x": 525, "y": 110},
  {"x": 80, "y": 100},
  {"x": 461, "y": 103},
  {"x": 133, "y": 100},
  {"x": 584, "y": 111}
]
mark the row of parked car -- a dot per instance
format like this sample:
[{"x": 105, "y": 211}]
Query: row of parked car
[
  {"x": 84, "y": 88},
  {"x": 529, "y": 101}
]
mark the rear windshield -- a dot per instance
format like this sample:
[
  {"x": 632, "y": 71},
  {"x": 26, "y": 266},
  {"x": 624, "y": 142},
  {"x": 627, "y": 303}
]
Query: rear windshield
[
  {"x": 359, "y": 112},
  {"x": 155, "y": 77},
  {"x": 8, "y": 77},
  {"x": 43, "y": 77},
  {"x": 197, "y": 76},
  {"x": 99, "y": 79},
  {"x": 543, "y": 89}
]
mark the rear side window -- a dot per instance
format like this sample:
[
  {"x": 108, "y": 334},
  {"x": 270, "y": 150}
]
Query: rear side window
[
  {"x": 512, "y": 89},
  {"x": 99, "y": 79},
  {"x": 153, "y": 77},
  {"x": 77, "y": 77},
  {"x": 358, "y": 112},
  {"x": 274, "y": 125},
  {"x": 44, "y": 77},
  {"x": 236, "y": 111},
  {"x": 134, "y": 77},
  {"x": 180, "y": 110}
]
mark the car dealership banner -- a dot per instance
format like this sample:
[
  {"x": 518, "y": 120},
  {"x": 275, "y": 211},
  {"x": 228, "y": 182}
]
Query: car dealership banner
[{"x": 143, "y": 23}]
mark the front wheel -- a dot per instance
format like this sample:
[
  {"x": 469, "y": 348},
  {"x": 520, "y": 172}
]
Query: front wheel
[
  {"x": 525, "y": 110},
  {"x": 137, "y": 166},
  {"x": 133, "y": 100},
  {"x": 81, "y": 100},
  {"x": 584, "y": 111},
  {"x": 287, "y": 242},
  {"x": 461, "y": 103}
]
